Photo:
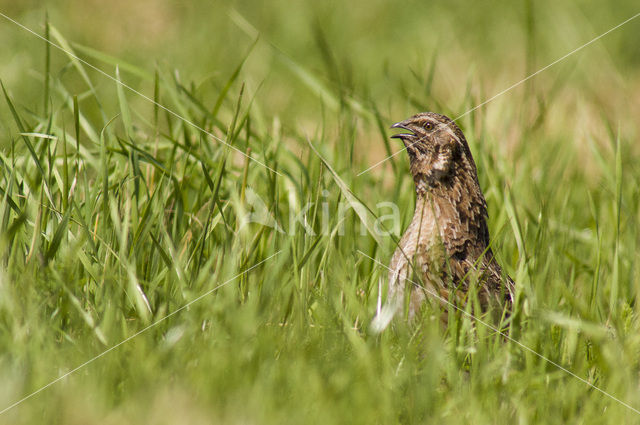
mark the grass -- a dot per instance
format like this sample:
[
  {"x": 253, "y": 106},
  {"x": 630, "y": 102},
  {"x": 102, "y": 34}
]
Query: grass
[{"x": 115, "y": 213}]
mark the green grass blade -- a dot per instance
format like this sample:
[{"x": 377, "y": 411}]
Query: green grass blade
[
  {"x": 365, "y": 215},
  {"x": 57, "y": 237},
  {"x": 124, "y": 106},
  {"x": 79, "y": 66},
  {"x": 114, "y": 61}
]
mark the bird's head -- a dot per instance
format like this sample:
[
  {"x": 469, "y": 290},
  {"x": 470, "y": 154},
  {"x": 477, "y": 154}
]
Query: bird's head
[{"x": 436, "y": 146}]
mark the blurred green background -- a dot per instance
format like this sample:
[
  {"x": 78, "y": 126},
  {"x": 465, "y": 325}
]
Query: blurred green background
[
  {"x": 379, "y": 52},
  {"x": 98, "y": 243}
]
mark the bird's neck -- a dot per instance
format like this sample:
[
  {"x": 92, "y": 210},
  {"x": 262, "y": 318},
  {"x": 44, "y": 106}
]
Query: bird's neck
[{"x": 459, "y": 190}]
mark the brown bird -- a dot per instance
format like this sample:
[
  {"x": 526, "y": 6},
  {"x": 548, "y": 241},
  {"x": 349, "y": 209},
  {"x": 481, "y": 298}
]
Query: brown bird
[{"x": 445, "y": 249}]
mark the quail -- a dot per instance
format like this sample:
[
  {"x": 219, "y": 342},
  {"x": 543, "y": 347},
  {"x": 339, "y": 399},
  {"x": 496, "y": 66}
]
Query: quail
[{"x": 446, "y": 248}]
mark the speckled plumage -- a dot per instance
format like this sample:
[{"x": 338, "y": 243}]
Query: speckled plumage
[{"x": 446, "y": 246}]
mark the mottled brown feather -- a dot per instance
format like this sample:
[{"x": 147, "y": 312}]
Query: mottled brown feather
[{"x": 446, "y": 246}]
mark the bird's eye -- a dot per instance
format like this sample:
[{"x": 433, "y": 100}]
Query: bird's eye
[{"x": 428, "y": 126}]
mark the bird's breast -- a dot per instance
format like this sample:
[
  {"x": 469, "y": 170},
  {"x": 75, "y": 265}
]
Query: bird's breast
[{"x": 422, "y": 241}]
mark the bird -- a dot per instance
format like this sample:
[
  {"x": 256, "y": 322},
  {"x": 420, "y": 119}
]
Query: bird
[{"x": 445, "y": 248}]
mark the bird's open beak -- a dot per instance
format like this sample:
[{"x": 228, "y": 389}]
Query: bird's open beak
[{"x": 405, "y": 126}]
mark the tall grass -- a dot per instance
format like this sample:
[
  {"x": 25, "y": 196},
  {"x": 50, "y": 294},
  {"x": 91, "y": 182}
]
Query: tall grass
[{"x": 115, "y": 213}]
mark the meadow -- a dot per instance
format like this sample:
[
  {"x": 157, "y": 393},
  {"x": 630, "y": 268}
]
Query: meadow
[{"x": 187, "y": 234}]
